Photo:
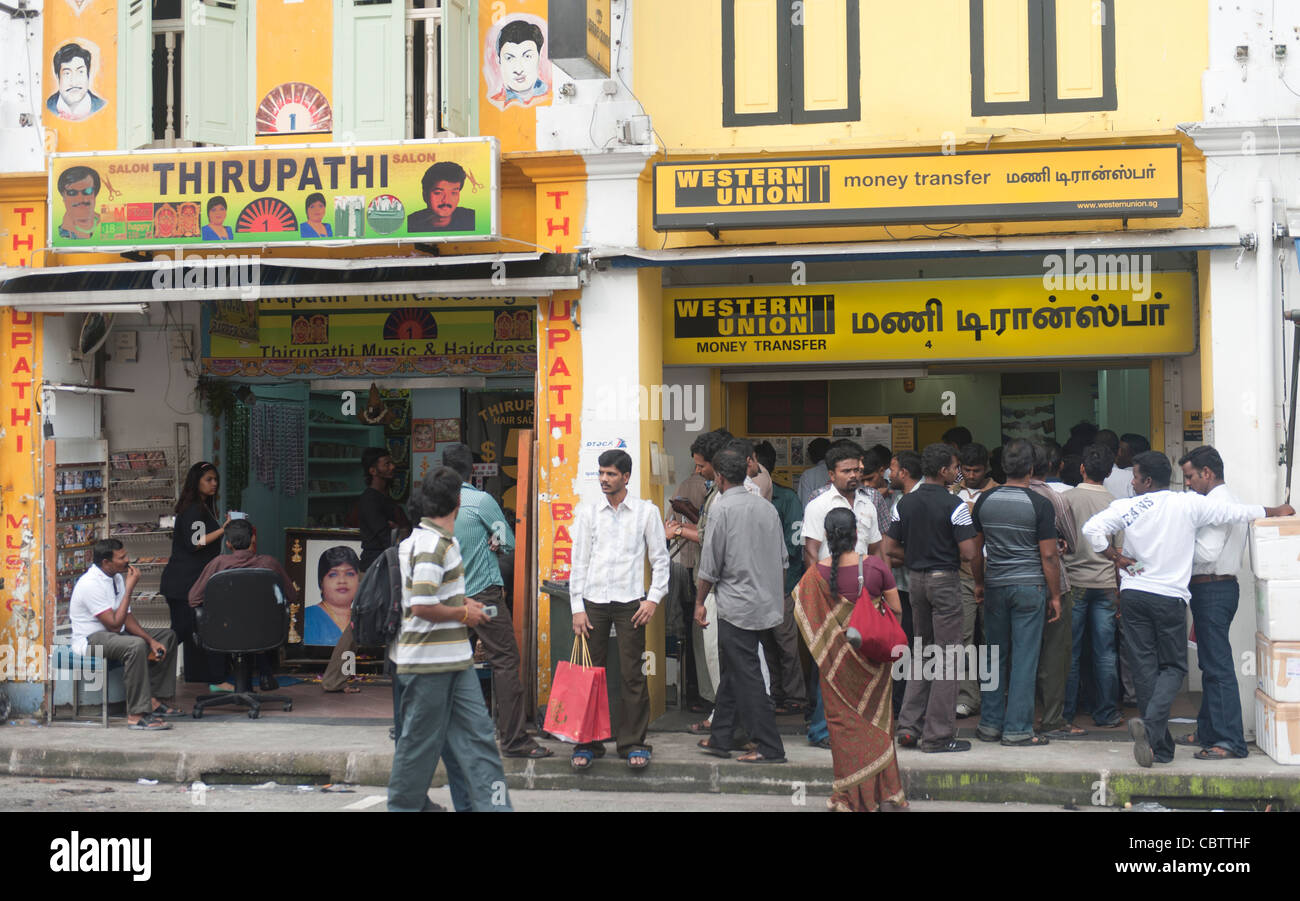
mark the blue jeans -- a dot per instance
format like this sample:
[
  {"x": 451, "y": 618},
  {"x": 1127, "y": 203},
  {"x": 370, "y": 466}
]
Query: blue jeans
[
  {"x": 443, "y": 716},
  {"x": 817, "y": 728},
  {"x": 1155, "y": 630},
  {"x": 1013, "y": 628},
  {"x": 1094, "y": 614},
  {"x": 1214, "y": 604}
]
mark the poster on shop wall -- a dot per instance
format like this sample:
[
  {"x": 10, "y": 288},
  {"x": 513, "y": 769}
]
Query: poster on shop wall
[
  {"x": 601, "y": 436},
  {"x": 494, "y": 420},
  {"x": 1032, "y": 417}
]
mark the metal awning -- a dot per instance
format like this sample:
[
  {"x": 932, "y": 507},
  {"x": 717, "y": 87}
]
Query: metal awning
[
  {"x": 166, "y": 279},
  {"x": 1180, "y": 239}
]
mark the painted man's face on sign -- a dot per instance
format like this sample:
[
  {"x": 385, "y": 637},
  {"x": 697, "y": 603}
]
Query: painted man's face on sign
[
  {"x": 74, "y": 81},
  {"x": 519, "y": 65}
]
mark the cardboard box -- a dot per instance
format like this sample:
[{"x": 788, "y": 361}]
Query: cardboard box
[
  {"x": 1277, "y": 729},
  {"x": 1278, "y": 668},
  {"x": 1277, "y": 610},
  {"x": 1275, "y": 548}
]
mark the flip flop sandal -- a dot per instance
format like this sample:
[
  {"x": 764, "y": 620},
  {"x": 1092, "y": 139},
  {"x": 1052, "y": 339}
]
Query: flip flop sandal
[
  {"x": 706, "y": 745},
  {"x": 585, "y": 757},
  {"x": 164, "y": 710},
  {"x": 1033, "y": 741},
  {"x": 756, "y": 757},
  {"x": 638, "y": 760},
  {"x": 535, "y": 753},
  {"x": 704, "y": 727},
  {"x": 906, "y": 740},
  {"x": 1215, "y": 753},
  {"x": 150, "y": 724},
  {"x": 1188, "y": 740},
  {"x": 1115, "y": 725},
  {"x": 1067, "y": 732}
]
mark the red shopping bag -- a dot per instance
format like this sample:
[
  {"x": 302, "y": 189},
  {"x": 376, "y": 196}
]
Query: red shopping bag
[
  {"x": 578, "y": 710},
  {"x": 879, "y": 637}
]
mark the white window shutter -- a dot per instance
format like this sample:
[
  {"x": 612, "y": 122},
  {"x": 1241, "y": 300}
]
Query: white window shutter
[
  {"x": 369, "y": 70},
  {"x": 217, "y": 73},
  {"x": 135, "y": 74},
  {"x": 460, "y": 61}
]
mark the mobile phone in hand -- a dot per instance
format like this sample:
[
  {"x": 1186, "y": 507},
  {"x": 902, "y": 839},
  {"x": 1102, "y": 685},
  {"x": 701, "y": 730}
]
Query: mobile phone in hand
[{"x": 490, "y": 611}]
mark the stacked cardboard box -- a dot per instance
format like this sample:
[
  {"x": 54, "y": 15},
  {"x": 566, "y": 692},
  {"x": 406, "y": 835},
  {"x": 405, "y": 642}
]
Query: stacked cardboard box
[{"x": 1275, "y": 554}]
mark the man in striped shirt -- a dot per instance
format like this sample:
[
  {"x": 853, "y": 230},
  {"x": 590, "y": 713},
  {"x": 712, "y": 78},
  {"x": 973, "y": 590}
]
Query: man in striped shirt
[
  {"x": 442, "y": 711},
  {"x": 611, "y": 539}
]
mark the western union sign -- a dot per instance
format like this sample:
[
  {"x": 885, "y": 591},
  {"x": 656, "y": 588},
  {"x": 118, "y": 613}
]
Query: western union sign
[
  {"x": 930, "y": 321},
  {"x": 1090, "y": 183}
]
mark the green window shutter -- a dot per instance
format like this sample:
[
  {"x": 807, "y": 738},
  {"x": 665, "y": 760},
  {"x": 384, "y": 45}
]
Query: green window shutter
[
  {"x": 460, "y": 60},
  {"x": 217, "y": 73},
  {"x": 135, "y": 74},
  {"x": 369, "y": 70}
]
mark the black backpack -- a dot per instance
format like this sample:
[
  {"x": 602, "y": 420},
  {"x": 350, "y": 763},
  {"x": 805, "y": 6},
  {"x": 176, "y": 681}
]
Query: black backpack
[{"x": 377, "y": 608}]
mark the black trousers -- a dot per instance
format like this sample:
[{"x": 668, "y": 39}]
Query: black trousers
[{"x": 741, "y": 693}]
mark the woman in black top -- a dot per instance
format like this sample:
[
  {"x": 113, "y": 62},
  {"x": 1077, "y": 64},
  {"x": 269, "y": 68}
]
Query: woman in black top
[{"x": 196, "y": 540}]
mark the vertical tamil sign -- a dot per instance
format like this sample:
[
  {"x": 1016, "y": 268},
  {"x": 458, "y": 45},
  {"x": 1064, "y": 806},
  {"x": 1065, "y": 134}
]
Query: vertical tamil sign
[{"x": 22, "y": 230}]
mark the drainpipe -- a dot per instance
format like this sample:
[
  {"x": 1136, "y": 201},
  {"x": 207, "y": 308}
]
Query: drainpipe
[{"x": 1266, "y": 365}]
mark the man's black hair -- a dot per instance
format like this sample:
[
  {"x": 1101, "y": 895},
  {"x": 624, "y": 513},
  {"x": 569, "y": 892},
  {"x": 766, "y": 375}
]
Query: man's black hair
[
  {"x": 460, "y": 458},
  {"x": 1017, "y": 458},
  {"x": 841, "y": 452},
  {"x": 910, "y": 461},
  {"x": 74, "y": 174},
  {"x": 439, "y": 493},
  {"x": 958, "y": 436},
  {"x": 1154, "y": 466},
  {"x": 973, "y": 455},
  {"x": 1070, "y": 464},
  {"x": 743, "y": 445},
  {"x": 618, "y": 459},
  {"x": 765, "y": 454},
  {"x": 1204, "y": 457},
  {"x": 1137, "y": 444},
  {"x": 519, "y": 32},
  {"x": 370, "y": 457},
  {"x": 708, "y": 444},
  {"x": 70, "y": 52},
  {"x": 873, "y": 460},
  {"x": 1047, "y": 458},
  {"x": 817, "y": 450},
  {"x": 1098, "y": 461},
  {"x": 730, "y": 465},
  {"x": 1108, "y": 438},
  {"x": 104, "y": 549},
  {"x": 239, "y": 534},
  {"x": 444, "y": 171},
  {"x": 935, "y": 457}
]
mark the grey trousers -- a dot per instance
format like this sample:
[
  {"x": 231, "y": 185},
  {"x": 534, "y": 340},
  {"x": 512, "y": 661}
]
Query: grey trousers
[
  {"x": 781, "y": 646},
  {"x": 1054, "y": 659},
  {"x": 968, "y": 692},
  {"x": 333, "y": 679},
  {"x": 143, "y": 680},
  {"x": 930, "y": 706},
  {"x": 498, "y": 637}
]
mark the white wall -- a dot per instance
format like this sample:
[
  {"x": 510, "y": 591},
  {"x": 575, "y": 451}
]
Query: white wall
[{"x": 21, "y": 145}]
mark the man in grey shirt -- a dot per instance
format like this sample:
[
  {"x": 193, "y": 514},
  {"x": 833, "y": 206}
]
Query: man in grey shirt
[{"x": 742, "y": 559}]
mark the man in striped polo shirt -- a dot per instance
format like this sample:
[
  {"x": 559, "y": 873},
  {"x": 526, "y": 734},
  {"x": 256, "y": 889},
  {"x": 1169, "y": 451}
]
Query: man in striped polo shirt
[{"x": 442, "y": 710}]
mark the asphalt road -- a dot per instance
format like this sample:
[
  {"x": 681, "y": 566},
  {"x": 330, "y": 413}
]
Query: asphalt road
[{"x": 19, "y": 793}]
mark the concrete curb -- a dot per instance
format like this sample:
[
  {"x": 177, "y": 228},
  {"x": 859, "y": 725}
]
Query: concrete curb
[{"x": 1078, "y": 786}]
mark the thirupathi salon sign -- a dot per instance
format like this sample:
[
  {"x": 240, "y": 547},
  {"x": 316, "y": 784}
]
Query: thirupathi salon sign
[
  {"x": 428, "y": 191},
  {"x": 1078, "y": 183}
]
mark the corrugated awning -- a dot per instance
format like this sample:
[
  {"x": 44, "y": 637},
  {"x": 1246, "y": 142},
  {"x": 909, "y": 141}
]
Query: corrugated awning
[
  {"x": 1183, "y": 239},
  {"x": 248, "y": 278}
]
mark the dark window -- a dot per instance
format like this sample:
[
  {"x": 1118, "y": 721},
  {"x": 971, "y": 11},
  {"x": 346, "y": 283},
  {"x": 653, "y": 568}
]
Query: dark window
[
  {"x": 788, "y": 408},
  {"x": 1042, "y": 91}
]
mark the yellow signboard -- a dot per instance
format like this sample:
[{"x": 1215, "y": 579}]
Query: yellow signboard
[
  {"x": 1089, "y": 183},
  {"x": 425, "y": 191},
  {"x": 928, "y": 321},
  {"x": 598, "y": 26}
]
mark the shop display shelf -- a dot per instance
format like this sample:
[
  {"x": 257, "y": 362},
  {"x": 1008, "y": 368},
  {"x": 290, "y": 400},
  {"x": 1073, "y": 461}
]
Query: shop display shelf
[
  {"x": 63, "y": 519},
  {"x": 160, "y": 533},
  {"x": 319, "y": 494},
  {"x": 348, "y": 426},
  {"x": 73, "y": 547},
  {"x": 140, "y": 503},
  {"x": 59, "y": 494}
]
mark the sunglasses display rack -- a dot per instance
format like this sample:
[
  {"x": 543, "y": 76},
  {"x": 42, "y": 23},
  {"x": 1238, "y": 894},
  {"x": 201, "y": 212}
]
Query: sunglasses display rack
[
  {"x": 80, "y": 491},
  {"x": 142, "y": 490}
]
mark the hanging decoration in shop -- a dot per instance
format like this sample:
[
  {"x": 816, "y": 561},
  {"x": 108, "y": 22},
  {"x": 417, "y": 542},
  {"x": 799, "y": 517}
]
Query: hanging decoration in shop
[
  {"x": 375, "y": 412},
  {"x": 376, "y": 340},
  {"x": 237, "y": 430},
  {"x": 1074, "y": 183},
  {"x": 276, "y": 434},
  {"x": 396, "y": 403},
  {"x": 934, "y": 320},
  {"x": 294, "y": 108},
  {"x": 430, "y": 191}
]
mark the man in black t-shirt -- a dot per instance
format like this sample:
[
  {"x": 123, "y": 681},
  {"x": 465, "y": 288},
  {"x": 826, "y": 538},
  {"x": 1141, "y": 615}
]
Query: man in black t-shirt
[
  {"x": 1023, "y": 579},
  {"x": 379, "y": 515},
  {"x": 930, "y": 535}
]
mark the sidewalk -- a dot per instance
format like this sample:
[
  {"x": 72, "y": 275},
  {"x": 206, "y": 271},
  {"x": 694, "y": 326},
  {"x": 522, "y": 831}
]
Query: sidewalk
[{"x": 226, "y": 746}]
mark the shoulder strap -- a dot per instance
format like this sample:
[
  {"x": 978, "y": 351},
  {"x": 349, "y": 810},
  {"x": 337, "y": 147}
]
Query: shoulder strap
[{"x": 861, "y": 581}]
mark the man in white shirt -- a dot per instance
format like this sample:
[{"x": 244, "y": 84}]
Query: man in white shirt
[
  {"x": 100, "y": 611},
  {"x": 1215, "y": 592},
  {"x": 815, "y": 476},
  {"x": 1155, "y": 566},
  {"x": 844, "y": 463},
  {"x": 607, "y": 585}
]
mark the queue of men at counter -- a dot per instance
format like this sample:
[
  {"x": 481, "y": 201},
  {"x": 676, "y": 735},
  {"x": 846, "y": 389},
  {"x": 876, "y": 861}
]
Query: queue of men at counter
[{"x": 1068, "y": 574}]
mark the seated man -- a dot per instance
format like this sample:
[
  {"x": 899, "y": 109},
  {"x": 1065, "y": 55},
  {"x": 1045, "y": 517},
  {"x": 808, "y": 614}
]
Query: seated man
[
  {"x": 100, "y": 611},
  {"x": 241, "y": 539}
]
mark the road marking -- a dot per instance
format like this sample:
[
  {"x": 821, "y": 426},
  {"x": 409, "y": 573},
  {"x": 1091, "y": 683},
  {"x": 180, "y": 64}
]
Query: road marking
[{"x": 363, "y": 803}]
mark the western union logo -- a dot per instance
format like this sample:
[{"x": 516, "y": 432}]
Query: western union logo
[
  {"x": 729, "y": 317},
  {"x": 749, "y": 185}
]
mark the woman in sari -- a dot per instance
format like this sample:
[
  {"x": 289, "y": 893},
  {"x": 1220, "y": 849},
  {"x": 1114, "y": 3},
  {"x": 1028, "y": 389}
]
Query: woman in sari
[{"x": 857, "y": 693}]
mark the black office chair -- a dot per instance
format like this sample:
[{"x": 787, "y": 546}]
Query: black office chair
[{"x": 243, "y": 613}]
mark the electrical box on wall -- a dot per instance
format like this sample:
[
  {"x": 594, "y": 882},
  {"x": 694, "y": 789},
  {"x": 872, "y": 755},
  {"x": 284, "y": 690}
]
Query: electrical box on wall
[
  {"x": 180, "y": 344},
  {"x": 126, "y": 347}
]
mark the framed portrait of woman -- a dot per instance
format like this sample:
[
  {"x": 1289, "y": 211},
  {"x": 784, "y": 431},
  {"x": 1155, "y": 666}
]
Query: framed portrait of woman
[{"x": 325, "y": 566}]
